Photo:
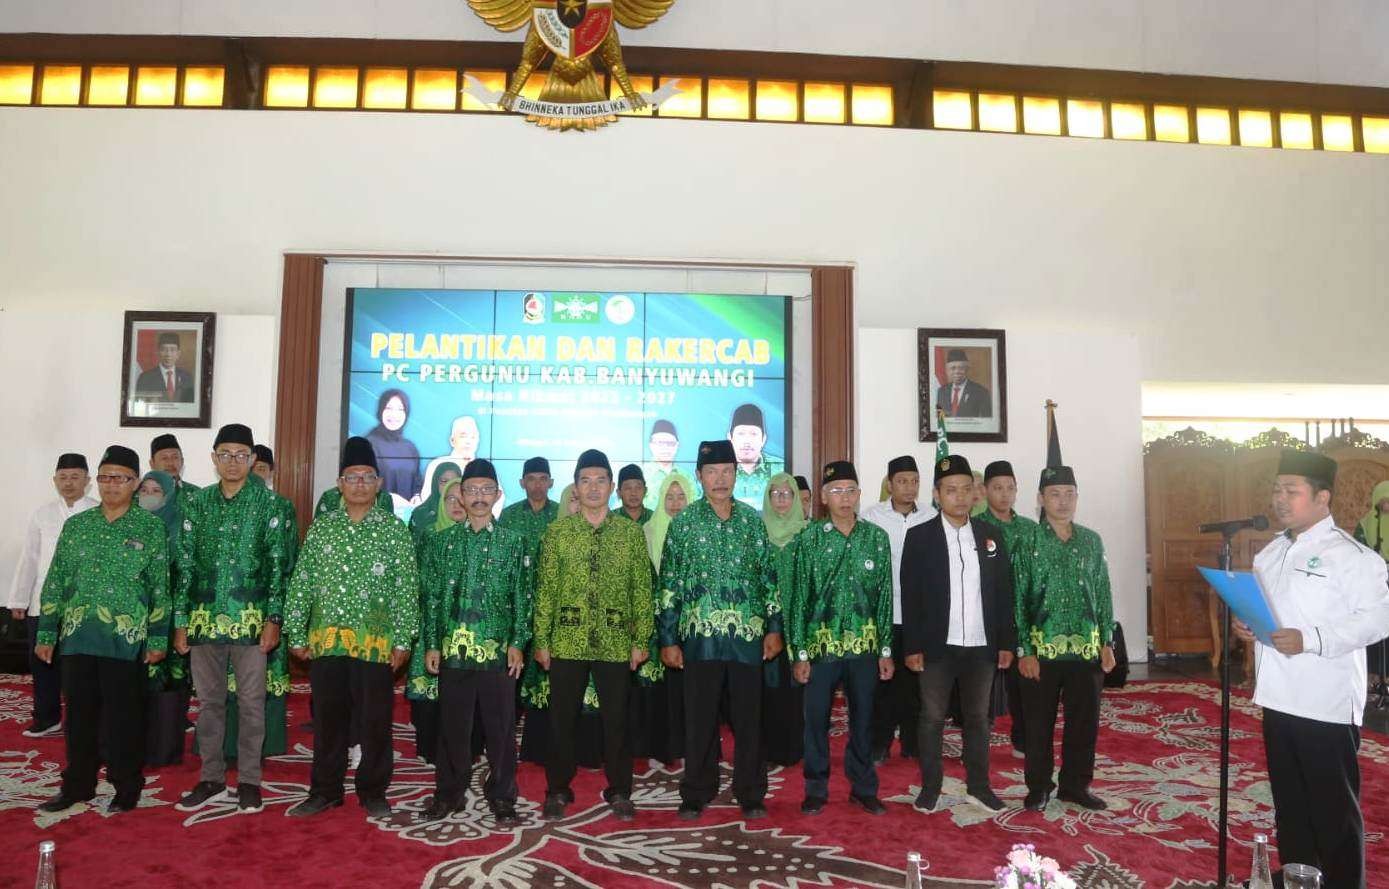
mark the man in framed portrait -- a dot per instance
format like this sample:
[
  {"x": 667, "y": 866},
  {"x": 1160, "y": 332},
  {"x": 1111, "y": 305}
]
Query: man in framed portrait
[
  {"x": 961, "y": 396},
  {"x": 166, "y": 381}
]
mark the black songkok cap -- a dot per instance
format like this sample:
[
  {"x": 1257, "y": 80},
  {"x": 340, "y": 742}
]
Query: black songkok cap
[
  {"x": 1315, "y": 467},
  {"x": 905, "y": 463},
  {"x": 954, "y": 464},
  {"x": 169, "y": 338},
  {"x": 1057, "y": 475},
  {"x": 630, "y": 472},
  {"x": 264, "y": 455},
  {"x": 536, "y": 464},
  {"x": 748, "y": 415},
  {"x": 480, "y": 469},
  {"x": 999, "y": 469},
  {"x": 163, "y": 443},
  {"x": 72, "y": 461},
  {"x": 357, "y": 451},
  {"x": 956, "y": 355},
  {"x": 665, "y": 426},
  {"x": 592, "y": 459},
  {"x": 712, "y": 453},
  {"x": 802, "y": 484},
  {"x": 235, "y": 433},
  {"x": 120, "y": 455},
  {"x": 838, "y": 471}
]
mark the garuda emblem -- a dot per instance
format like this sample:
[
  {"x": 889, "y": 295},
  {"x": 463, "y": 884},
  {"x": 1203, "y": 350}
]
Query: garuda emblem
[{"x": 572, "y": 31}]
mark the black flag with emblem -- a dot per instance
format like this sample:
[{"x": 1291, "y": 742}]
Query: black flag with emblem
[{"x": 1053, "y": 441}]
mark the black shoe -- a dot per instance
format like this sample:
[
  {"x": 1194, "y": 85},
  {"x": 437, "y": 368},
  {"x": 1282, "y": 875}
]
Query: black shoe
[
  {"x": 1036, "y": 800},
  {"x": 1083, "y": 798},
  {"x": 202, "y": 793},
  {"x": 120, "y": 804},
  {"x": 60, "y": 803},
  {"x": 377, "y": 807},
  {"x": 553, "y": 809},
  {"x": 754, "y": 811},
  {"x": 870, "y": 804},
  {"x": 926, "y": 801},
  {"x": 880, "y": 755},
  {"x": 621, "y": 806},
  {"x": 312, "y": 806},
  {"x": 689, "y": 812},
  {"x": 437, "y": 810},
  {"x": 813, "y": 805},
  {"x": 988, "y": 799},
  {"x": 505, "y": 813},
  {"x": 248, "y": 800}
]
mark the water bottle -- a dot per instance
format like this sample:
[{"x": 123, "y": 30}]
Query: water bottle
[
  {"x": 1301, "y": 876},
  {"x": 913, "y": 870},
  {"x": 1259, "y": 875},
  {"x": 48, "y": 876}
]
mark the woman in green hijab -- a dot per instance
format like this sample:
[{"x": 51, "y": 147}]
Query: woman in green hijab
[
  {"x": 783, "y": 714},
  {"x": 169, "y": 681},
  {"x": 426, "y": 515},
  {"x": 421, "y": 686},
  {"x": 655, "y": 709}
]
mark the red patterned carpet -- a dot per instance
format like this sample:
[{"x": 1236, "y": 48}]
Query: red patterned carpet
[{"x": 1157, "y": 769}]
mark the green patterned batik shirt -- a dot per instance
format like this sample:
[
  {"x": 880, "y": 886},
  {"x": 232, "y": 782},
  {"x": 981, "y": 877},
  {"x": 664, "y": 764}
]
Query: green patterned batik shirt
[
  {"x": 719, "y": 594},
  {"x": 1015, "y": 531},
  {"x": 1064, "y": 609},
  {"x": 107, "y": 589},
  {"x": 355, "y": 590},
  {"x": 593, "y": 590},
  {"x": 233, "y": 564},
  {"x": 750, "y": 487},
  {"x": 840, "y": 602},
  {"x": 521, "y": 518},
  {"x": 477, "y": 604}
]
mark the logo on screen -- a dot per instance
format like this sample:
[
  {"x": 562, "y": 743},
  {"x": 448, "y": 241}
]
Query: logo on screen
[
  {"x": 620, "y": 309},
  {"x": 577, "y": 308},
  {"x": 533, "y": 308}
]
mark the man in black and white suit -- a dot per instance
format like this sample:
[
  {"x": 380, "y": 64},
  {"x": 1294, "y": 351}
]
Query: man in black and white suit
[
  {"x": 957, "y": 625},
  {"x": 166, "y": 381},
  {"x": 961, "y": 396}
]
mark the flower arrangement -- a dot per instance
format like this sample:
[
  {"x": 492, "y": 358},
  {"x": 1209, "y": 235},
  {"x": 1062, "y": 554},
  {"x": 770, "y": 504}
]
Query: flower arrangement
[{"x": 1028, "y": 870}]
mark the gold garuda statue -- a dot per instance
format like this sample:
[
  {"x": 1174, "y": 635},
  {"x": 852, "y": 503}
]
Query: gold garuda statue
[{"x": 572, "y": 31}]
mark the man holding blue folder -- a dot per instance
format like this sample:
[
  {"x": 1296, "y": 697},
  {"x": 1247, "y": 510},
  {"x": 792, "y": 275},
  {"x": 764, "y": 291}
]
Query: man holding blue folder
[{"x": 1329, "y": 596}]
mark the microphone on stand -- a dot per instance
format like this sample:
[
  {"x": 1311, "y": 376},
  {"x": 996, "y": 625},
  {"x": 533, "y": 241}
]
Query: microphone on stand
[{"x": 1234, "y": 526}]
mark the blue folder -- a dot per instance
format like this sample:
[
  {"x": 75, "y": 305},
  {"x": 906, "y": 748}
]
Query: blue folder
[{"x": 1241, "y": 592}]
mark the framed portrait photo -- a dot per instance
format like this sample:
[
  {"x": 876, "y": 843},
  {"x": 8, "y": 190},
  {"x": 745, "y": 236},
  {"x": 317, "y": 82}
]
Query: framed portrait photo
[
  {"x": 963, "y": 374},
  {"x": 166, "y": 369}
]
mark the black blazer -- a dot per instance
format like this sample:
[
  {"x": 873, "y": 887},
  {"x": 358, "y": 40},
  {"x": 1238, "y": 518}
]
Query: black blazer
[
  {"x": 975, "y": 400},
  {"x": 150, "y": 385},
  {"x": 926, "y": 589}
]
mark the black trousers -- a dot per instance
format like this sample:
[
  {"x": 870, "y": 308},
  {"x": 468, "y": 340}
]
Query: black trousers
[
  {"x": 860, "y": 678},
  {"x": 105, "y": 702},
  {"x": 897, "y": 704},
  {"x": 1316, "y": 796},
  {"x": 493, "y": 695},
  {"x": 48, "y": 682},
  {"x": 349, "y": 691},
  {"x": 973, "y": 668},
  {"x": 704, "y": 686},
  {"x": 1012, "y": 681},
  {"x": 611, "y": 680},
  {"x": 1080, "y": 684}
]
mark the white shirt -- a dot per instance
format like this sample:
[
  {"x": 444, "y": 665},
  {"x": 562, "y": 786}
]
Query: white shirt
[
  {"x": 966, "y": 601},
  {"x": 896, "y": 525},
  {"x": 36, "y": 553},
  {"x": 1334, "y": 591}
]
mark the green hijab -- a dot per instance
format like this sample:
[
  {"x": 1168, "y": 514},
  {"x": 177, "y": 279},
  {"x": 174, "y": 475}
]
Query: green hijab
[
  {"x": 782, "y": 528},
  {"x": 660, "y": 519},
  {"x": 427, "y": 512},
  {"x": 442, "y": 519},
  {"x": 169, "y": 513},
  {"x": 1373, "y": 523}
]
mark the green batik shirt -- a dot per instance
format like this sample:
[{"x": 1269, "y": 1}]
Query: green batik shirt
[
  {"x": 183, "y": 492},
  {"x": 331, "y": 499},
  {"x": 521, "y": 518},
  {"x": 107, "y": 589},
  {"x": 645, "y": 516},
  {"x": 750, "y": 487},
  {"x": 355, "y": 591},
  {"x": 719, "y": 594},
  {"x": 1017, "y": 529},
  {"x": 840, "y": 595},
  {"x": 1064, "y": 609},
  {"x": 593, "y": 590},
  {"x": 233, "y": 564},
  {"x": 477, "y": 602}
]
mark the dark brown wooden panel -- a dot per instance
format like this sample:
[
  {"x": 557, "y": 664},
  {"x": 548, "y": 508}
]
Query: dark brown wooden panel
[
  {"x": 832, "y": 326},
  {"x": 296, "y": 401}
]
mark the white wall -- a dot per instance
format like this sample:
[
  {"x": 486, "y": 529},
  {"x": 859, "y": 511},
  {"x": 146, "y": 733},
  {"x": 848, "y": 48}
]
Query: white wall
[
  {"x": 1099, "y": 424},
  {"x": 64, "y": 370},
  {"x": 1315, "y": 41}
]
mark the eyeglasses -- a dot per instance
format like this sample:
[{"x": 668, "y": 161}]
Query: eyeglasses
[
  {"x": 842, "y": 492},
  {"x": 367, "y": 479},
  {"x": 228, "y": 457},
  {"x": 782, "y": 495},
  {"x": 482, "y": 491},
  {"x": 115, "y": 479}
]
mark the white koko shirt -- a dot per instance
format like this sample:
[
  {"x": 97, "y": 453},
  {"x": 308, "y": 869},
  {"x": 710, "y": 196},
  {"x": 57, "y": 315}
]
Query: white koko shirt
[
  {"x": 36, "y": 553},
  {"x": 896, "y": 525},
  {"x": 966, "y": 601}
]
